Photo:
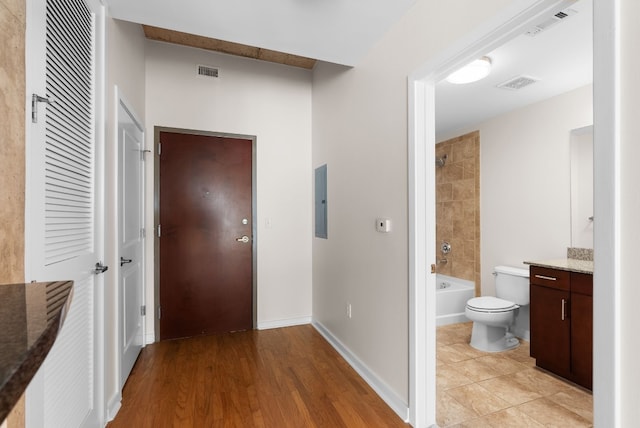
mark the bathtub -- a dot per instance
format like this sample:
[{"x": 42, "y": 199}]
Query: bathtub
[{"x": 451, "y": 298}]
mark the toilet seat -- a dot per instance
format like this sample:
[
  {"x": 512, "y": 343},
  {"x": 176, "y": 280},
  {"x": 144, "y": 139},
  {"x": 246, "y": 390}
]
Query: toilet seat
[{"x": 490, "y": 304}]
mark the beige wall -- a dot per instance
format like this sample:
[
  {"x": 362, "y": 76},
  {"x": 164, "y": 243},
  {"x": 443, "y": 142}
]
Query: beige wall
[
  {"x": 525, "y": 181},
  {"x": 272, "y": 102},
  {"x": 458, "y": 207},
  {"x": 360, "y": 132},
  {"x": 12, "y": 146}
]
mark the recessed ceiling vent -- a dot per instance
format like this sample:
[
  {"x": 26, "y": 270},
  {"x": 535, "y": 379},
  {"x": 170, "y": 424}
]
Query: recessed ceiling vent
[
  {"x": 207, "y": 71},
  {"x": 517, "y": 83},
  {"x": 549, "y": 22}
]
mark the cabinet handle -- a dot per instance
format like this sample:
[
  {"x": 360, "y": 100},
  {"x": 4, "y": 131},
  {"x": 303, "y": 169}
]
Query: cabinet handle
[
  {"x": 548, "y": 278},
  {"x": 564, "y": 303}
]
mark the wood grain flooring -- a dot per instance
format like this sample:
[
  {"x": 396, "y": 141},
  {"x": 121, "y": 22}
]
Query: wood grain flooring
[{"x": 289, "y": 377}]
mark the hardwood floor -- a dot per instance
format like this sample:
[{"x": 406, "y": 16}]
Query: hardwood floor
[{"x": 289, "y": 377}]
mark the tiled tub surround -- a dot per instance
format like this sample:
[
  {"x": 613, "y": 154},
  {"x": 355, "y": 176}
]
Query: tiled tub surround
[
  {"x": 31, "y": 316},
  {"x": 458, "y": 207},
  {"x": 477, "y": 389}
]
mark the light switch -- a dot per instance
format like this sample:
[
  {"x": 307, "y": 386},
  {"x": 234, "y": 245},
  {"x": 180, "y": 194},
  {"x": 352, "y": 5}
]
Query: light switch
[{"x": 383, "y": 225}]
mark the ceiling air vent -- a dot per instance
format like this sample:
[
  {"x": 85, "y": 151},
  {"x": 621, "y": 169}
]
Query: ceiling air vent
[
  {"x": 517, "y": 83},
  {"x": 206, "y": 71},
  {"x": 549, "y": 22}
]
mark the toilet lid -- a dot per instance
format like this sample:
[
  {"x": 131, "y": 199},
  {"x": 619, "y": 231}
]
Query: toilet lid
[{"x": 489, "y": 303}]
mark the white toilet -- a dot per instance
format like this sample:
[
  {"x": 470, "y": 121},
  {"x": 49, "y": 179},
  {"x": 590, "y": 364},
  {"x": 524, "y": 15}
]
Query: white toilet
[{"x": 492, "y": 316}]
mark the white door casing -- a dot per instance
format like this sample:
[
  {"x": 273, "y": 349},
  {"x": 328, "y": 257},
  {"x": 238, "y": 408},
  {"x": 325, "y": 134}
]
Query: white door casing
[
  {"x": 131, "y": 236},
  {"x": 63, "y": 204},
  {"x": 512, "y": 21}
]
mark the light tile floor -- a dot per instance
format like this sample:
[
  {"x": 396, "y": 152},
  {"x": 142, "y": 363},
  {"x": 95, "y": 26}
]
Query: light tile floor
[{"x": 505, "y": 389}]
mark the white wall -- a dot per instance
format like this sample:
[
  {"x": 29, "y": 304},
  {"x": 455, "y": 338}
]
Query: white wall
[
  {"x": 525, "y": 204},
  {"x": 272, "y": 102},
  {"x": 360, "y": 132},
  {"x": 630, "y": 211},
  {"x": 125, "y": 69}
]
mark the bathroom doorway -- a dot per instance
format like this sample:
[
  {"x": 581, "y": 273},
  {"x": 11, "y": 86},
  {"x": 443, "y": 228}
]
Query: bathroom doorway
[
  {"x": 532, "y": 129},
  {"x": 422, "y": 115}
]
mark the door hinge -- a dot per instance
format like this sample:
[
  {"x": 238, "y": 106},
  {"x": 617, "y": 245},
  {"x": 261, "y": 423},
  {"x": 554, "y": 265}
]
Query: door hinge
[
  {"x": 159, "y": 313},
  {"x": 143, "y": 310},
  {"x": 159, "y": 149},
  {"x": 143, "y": 233},
  {"x": 159, "y": 231}
]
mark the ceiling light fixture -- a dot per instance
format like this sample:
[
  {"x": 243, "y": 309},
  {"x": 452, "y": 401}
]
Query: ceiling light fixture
[{"x": 472, "y": 72}]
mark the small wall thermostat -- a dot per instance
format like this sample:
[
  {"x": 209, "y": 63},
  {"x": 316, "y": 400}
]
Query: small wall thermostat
[{"x": 383, "y": 225}]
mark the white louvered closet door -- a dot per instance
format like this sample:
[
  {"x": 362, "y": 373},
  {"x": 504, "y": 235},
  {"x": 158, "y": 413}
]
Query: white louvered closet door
[{"x": 63, "y": 239}]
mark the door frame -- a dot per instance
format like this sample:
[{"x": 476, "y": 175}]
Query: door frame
[
  {"x": 156, "y": 216},
  {"x": 511, "y": 21},
  {"x": 120, "y": 100}
]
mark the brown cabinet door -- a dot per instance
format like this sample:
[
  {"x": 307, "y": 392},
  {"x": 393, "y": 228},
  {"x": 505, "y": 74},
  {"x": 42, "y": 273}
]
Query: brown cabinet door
[
  {"x": 206, "y": 279},
  {"x": 582, "y": 329},
  {"x": 550, "y": 333}
]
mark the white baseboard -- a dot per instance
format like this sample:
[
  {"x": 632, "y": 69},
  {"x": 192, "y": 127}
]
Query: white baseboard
[
  {"x": 389, "y": 396},
  {"x": 149, "y": 338},
  {"x": 113, "y": 406},
  {"x": 266, "y": 325}
]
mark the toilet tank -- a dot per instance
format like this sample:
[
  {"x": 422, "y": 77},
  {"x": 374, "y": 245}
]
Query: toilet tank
[{"x": 512, "y": 283}]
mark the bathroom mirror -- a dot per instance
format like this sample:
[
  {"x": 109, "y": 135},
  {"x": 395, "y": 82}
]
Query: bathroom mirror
[{"x": 581, "y": 155}]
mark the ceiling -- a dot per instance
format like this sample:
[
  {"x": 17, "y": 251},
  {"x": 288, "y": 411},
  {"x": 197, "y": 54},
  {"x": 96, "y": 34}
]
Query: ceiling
[
  {"x": 299, "y": 32},
  {"x": 561, "y": 57},
  {"x": 337, "y": 31}
]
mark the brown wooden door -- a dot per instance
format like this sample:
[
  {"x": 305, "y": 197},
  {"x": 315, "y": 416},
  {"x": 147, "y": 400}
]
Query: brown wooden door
[{"x": 205, "y": 206}]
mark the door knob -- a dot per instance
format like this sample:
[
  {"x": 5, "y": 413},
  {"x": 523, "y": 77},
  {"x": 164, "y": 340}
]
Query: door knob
[
  {"x": 100, "y": 268},
  {"x": 123, "y": 261},
  {"x": 244, "y": 239}
]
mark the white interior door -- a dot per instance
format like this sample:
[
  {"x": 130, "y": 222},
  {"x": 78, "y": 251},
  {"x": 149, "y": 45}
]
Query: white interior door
[
  {"x": 131, "y": 238},
  {"x": 63, "y": 206}
]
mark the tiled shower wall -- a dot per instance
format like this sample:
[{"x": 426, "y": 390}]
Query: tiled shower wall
[{"x": 458, "y": 207}]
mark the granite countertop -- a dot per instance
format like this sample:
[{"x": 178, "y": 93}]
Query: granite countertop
[
  {"x": 30, "y": 317},
  {"x": 572, "y": 265}
]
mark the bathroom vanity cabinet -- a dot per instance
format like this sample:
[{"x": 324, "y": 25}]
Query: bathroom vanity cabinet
[{"x": 561, "y": 315}]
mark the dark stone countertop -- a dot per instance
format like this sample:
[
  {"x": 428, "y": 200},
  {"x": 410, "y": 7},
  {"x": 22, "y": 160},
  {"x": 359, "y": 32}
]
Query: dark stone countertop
[{"x": 30, "y": 317}]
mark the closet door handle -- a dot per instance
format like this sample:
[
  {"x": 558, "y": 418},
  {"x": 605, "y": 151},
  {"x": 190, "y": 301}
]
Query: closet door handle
[{"x": 564, "y": 311}]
